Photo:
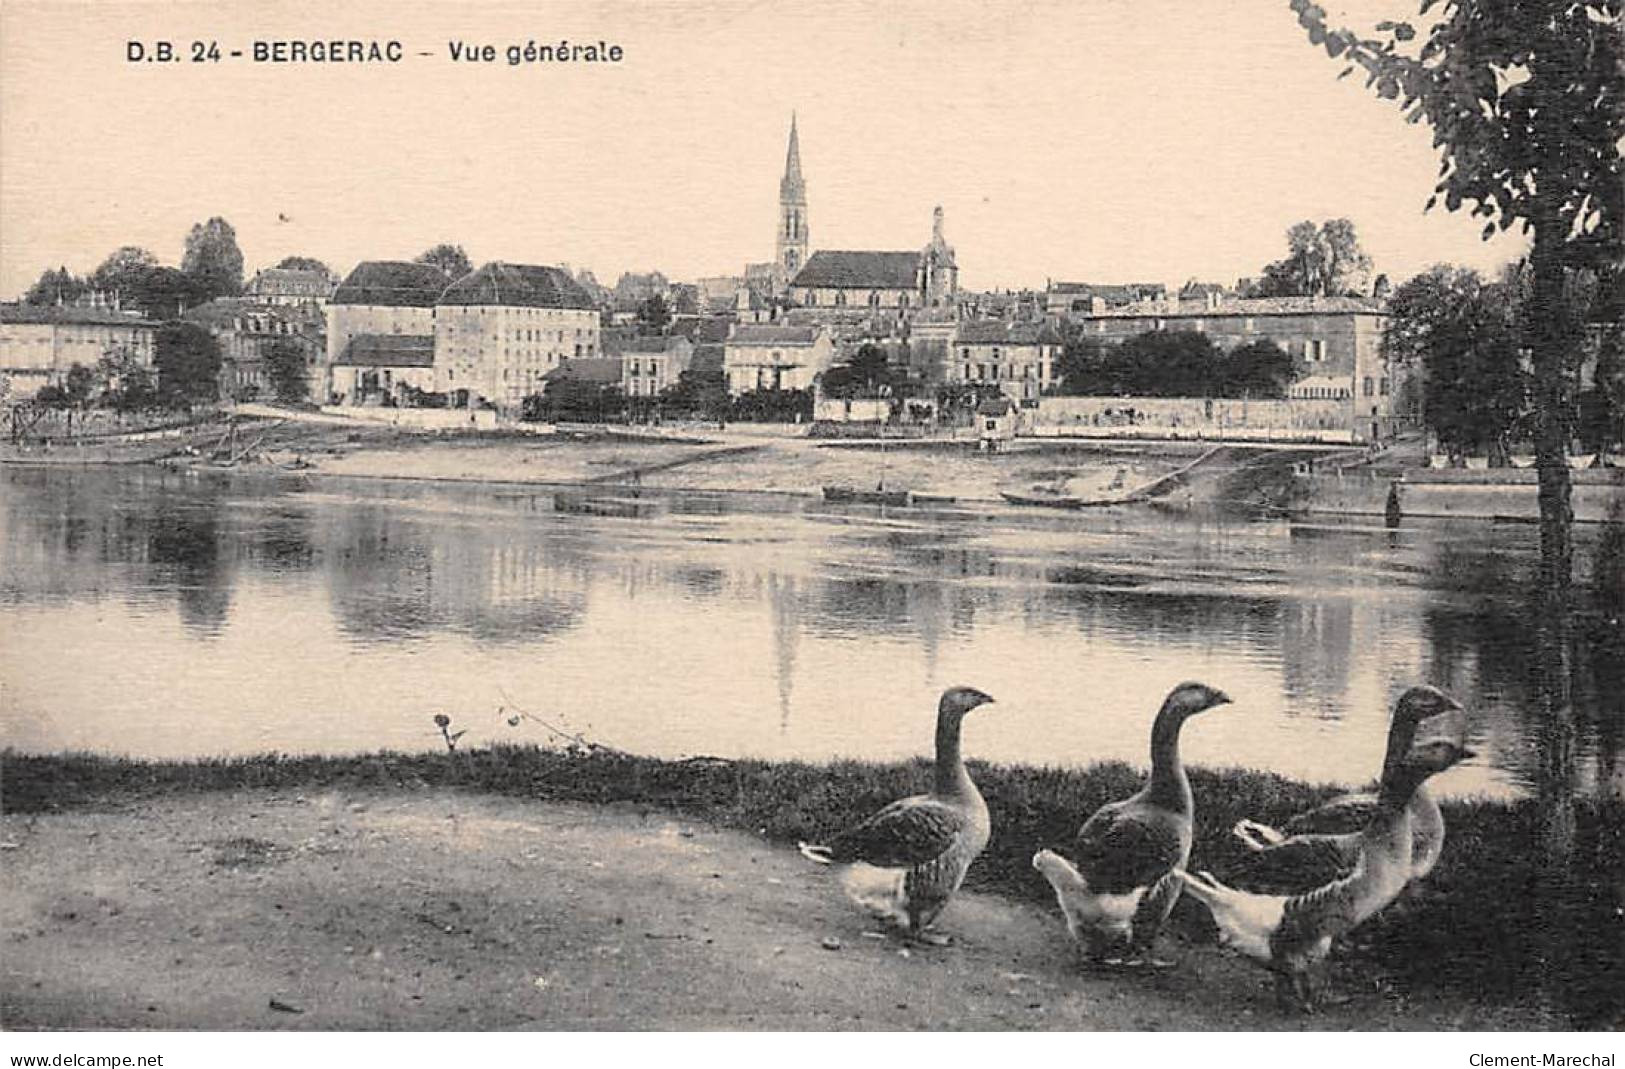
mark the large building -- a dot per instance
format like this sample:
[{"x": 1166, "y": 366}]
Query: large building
[
  {"x": 886, "y": 284},
  {"x": 289, "y": 285},
  {"x": 388, "y": 297},
  {"x": 1019, "y": 358},
  {"x": 649, "y": 364},
  {"x": 246, "y": 329},
  {"x": 1335, "y": 344},
  {"x": 773, "y": 357},
  {"x": 39, "y": 343},
  {"x": 500, "y": 329}
]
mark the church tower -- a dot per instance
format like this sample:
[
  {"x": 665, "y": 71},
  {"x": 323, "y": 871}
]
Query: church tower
[{"x": 791, "y": 246}]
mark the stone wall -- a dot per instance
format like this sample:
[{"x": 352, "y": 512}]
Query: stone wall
[{"x": 1192, "y": 417}]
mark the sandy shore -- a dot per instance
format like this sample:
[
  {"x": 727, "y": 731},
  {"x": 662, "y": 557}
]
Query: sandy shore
[{"x": 439, "y": 910}]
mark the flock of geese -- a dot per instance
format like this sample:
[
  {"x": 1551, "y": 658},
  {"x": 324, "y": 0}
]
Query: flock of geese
[{"x": 1117, "y": 879}]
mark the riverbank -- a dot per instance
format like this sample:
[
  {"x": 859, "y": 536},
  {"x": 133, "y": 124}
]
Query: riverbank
[
  {"x": 488, "y": 883},
  {"x": 783, "y": 460}
]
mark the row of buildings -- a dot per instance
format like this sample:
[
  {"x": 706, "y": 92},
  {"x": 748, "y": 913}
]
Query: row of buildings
[{"x": 395, "y": 332}]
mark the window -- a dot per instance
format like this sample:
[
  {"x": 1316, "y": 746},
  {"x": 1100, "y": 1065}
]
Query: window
[
  {"x": 840, "y": 298},
  {"x": 1370, "y": 386},
  {"x": 1382, "y": 386}
]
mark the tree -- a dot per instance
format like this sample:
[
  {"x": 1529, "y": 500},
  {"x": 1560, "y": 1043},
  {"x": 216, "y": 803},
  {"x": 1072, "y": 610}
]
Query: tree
[
  {"x": 127, "y": 384},
  {"x": 213, "y": 260},
  {"x": 451, "y": 259},
  {"x": 55, "y": 287},
  {"x": 653, "y": 314},
  {"x": 123, "y": 270},
  {"x": 868, "y": 373},
  {"x": 1527, "y": 103},
  {"x": 303, "y": 263},
  {"x": 1257, "y": 369},
  {"x": 1321, "y": 261},
  {"x": 701, "y": 389},
  {"x": 285, "y": 366},
  {"x": 1463, "y": 334},
  {"x": 187, "y": 359},
  {"x": 165, "y": 292}
]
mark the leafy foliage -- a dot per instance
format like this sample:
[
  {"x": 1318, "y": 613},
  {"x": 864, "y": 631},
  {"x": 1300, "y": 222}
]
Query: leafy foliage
[
  {"x": 868, "y": 373},
  {"x": 304, "y": 263},
  {"x": 1463, "y": 333},
  {"x": 126, "y": 383},
  {"x": 123, "y": 271},
  {"x": 1179, "y": 363},
  {"x": 187, "y": 359},
  {"x": 286, "y": 368},
  {"x": 1321, "y": 261},
  {"x": 654, "y": 315},
  {"x": 56, "y": 287},
  {"x": 700, "y": 390},
  {"x": 213, "y": 259},
  {"x": 1527, "y": 103},
  {"x": 451, "y": 259}
]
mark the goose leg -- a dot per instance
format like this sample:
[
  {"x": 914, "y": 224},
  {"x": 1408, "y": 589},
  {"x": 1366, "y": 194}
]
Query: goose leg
[
  {"x": 920, "y": 917},
  {"x": 1148, "y": 921}
]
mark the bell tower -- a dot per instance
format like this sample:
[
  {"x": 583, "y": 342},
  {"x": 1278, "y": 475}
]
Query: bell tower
[{"x": 791, "y": 243}]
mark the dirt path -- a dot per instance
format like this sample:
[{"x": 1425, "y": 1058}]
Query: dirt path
[{"x": 435, "y": 910}]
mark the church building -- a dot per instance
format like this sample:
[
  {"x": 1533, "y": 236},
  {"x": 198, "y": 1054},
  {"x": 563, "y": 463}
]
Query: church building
[{"x": 838, "y": 283}]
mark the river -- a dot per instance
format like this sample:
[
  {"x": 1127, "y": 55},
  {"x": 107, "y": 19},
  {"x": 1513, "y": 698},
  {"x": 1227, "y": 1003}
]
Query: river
[{"x": 166, "y": 614}]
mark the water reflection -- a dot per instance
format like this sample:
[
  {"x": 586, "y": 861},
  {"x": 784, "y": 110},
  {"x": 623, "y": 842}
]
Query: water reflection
[{"x": 157, "y": 613}]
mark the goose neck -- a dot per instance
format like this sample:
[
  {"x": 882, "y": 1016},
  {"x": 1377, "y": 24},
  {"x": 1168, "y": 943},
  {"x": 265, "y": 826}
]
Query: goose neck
[
  {"x": 951, "y": 777},
  {"x": 1169, "y": 786}
]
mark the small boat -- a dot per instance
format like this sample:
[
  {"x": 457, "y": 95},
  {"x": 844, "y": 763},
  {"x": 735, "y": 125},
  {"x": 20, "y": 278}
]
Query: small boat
[
  {"x": 1058, "y": 499},
  {"x": 605, "y": 505},
  {"x": 851, "y": 495}
]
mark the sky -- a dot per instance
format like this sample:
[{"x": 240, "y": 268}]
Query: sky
[{"x": 1118, "y": 140}]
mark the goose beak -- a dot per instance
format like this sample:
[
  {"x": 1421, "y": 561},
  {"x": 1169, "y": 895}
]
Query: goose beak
[
  {"x": 1221, "y": 698},
  {"x": 1468, "y": 755}
]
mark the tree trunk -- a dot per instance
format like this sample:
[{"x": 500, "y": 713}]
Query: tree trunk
[{"x": 1549, "y": 326}]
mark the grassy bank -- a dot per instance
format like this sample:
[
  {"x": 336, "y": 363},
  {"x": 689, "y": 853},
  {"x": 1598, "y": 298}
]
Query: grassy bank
[{"x": 1479, "y": 927}]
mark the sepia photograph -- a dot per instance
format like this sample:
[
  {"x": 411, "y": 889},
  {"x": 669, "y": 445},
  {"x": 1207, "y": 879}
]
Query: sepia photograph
[{"x": 704, "y": 516}]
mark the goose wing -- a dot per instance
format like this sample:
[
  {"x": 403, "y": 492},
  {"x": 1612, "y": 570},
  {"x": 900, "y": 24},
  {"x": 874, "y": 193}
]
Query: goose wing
[
  {"x": 1127, "y": 845},
  {"x": 1343, "y": 815},
  {"x": 909, "y": 832},
  {"x": 1301, "y": 864}
]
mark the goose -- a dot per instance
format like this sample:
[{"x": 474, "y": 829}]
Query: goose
[
  {"x": 1292, "y": 934},
  {"x": 1322, "y": 844},
  {"x": 905, "y": 862},
  {"x": 1117, "y": 888}
]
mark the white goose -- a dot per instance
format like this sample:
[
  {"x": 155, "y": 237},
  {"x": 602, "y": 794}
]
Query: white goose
[
  {"x": 1119, "y": 887},
  {"x": 1292, "y": 934},
  {"x": 1322, "y": 844},
  {"x": 905, "y": 862}
]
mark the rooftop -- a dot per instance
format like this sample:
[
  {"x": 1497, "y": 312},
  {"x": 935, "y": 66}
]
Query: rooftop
[
  {"x": 67, "y": 314},
  {"x": 518, "y": 285},
  {"x": 1248, "y": 306},
  {"x": 599, "y": 369},
  {"x": 769, "y": 334},
  {"x": 1005, "y": 332},
  {"x": 388, "y": 350},
  {"x": 859, "y": 270},
  {"x": 391, "y": 282}
]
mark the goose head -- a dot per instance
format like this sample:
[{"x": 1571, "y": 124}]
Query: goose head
[
  {"x": 957, "y": 701},
  {"x": 1423, "y": 715},
  {"x": 1434, "y": 756},
  {"x": 1188, "y": 699}
]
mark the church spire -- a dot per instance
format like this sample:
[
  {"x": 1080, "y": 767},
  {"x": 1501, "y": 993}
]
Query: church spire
[
  {"x": 792, "y": 185},
  {"x": 790, "y": 246}
]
